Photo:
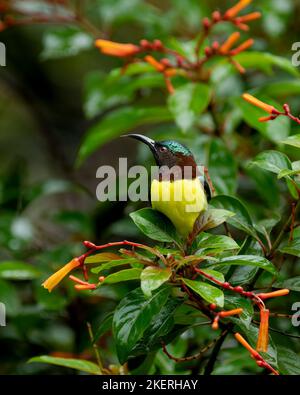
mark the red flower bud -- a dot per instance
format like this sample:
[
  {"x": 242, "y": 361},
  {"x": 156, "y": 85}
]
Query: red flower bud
[
  {"x": 157, "y": 45},
  {"x": 216, "y": 16},
  {"x": 89, "y": 244},
  {"x": 165, "y": 62},
  {"x": 145, "y": 44},
  {"x": 215, "y": 46},
  {"x": 206, "y": 24},
  {"x": 208, "y": 51},
  {"x": 239, "y": 289}
]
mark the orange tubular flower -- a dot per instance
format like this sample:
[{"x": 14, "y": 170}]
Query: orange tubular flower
[
  {"x": 82, "y": 287},
  {"x": 233, "y": 11},
  {"x": 77, "y": 280},
  {"x": 245, "y": 344},
  {"x": 222, "y": 314},
  {"x": 263, "y": 335},
  {"x": 258, "y": 103},
  {"x": 215, "y": 324},
  {"x": 158, "y": 66},
  {"x": 230, "y": 312},
  {"x": 259, "y": 360},
  {"x": 170, "y": 72},
  {"x": 238, "y": 66},
  {"x": 58, "y": 276},
  {"x": 247, "y": 44},
  {"x": 116, "y": 49},
  {"x": 265, "y": 119},
  {"x": 249, "y": 17},
  {"x": 169, "y": 85},
  {"x": 228, "y": 44},
  {"x": 275, "y": 294}
]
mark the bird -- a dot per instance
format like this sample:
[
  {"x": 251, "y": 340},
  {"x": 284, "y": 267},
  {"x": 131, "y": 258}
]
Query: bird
[{"x": 178, "y": 190}]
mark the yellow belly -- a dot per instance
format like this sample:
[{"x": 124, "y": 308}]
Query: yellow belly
[{"x": 181, "y": 201}]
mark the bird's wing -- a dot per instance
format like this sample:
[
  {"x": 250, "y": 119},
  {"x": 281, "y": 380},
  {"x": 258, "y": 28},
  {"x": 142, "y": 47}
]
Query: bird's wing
[{"x": 206, "y": 187}]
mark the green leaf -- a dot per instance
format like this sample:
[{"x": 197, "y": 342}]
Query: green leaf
[
  {"x": 288, "y": 361},
  {"x": 115, "y": 263},
  {"x": 281, "y": 88},
  {"x": 123, "y": 275},
  {"x": 15, "y": 270},
  {"x": 184, "y": 47},
  {"x": 235, "y": 302},
  {"x": 222, "y": 167},
  {"x": 206, "y": 291},
  {"x": 119, "y": 122},
  {"x": 154, "y": 225},
  {"x": 292, "y": 248},
  {"x": 138, "y": 68},
  {"x": 265, "y": 61},
  {"x": 292, "y": 140},
  {"x": 159, "y": 327},
  {"x": 65, "y": 41},
  {"x": 273, "y": 161},
  {"x": 213, "y": 217},
  {"x": 103, "y": 257},
  {"x": 242, "y": 219},
  {"x": 246, "y": 274},
  {"x": 292, "y": 283},
  {"x": 188, "y": 102},
  {"x": 104, "y": 326},
  {"x": 243, "y": 275},
  {"x": 247, "y": 260},
  {"x": 292, "y": 187},
  {"x": 269, "y": 223},
  {"x": 217, "y": 275},
  {"x": 212, "y": 244},
  {"x": 78, "y": 364},
  {"x": 275, "y": 131},
  {"x": 286, "y": 173},
  {"x": 133, "y": 316},
  {"x": 152, "y": 277},
  {"x": 266, "y": 185}
]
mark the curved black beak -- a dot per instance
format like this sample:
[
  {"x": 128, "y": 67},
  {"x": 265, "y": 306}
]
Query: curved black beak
[{"x": 144, "y": 139}]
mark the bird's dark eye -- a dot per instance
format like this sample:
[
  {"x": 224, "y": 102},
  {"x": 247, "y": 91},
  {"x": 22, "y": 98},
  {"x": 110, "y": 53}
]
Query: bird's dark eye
[{"x": 162, "y": 149}]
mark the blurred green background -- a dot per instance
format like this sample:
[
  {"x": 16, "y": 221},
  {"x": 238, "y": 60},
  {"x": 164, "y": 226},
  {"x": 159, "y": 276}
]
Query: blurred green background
[{"x": 52, "y": 91}]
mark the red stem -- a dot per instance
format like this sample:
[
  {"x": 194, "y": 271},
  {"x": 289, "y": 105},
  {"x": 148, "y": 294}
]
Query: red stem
[
  {"x": 285, "y": 113},
  {"x": 247, "y": 294}
]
